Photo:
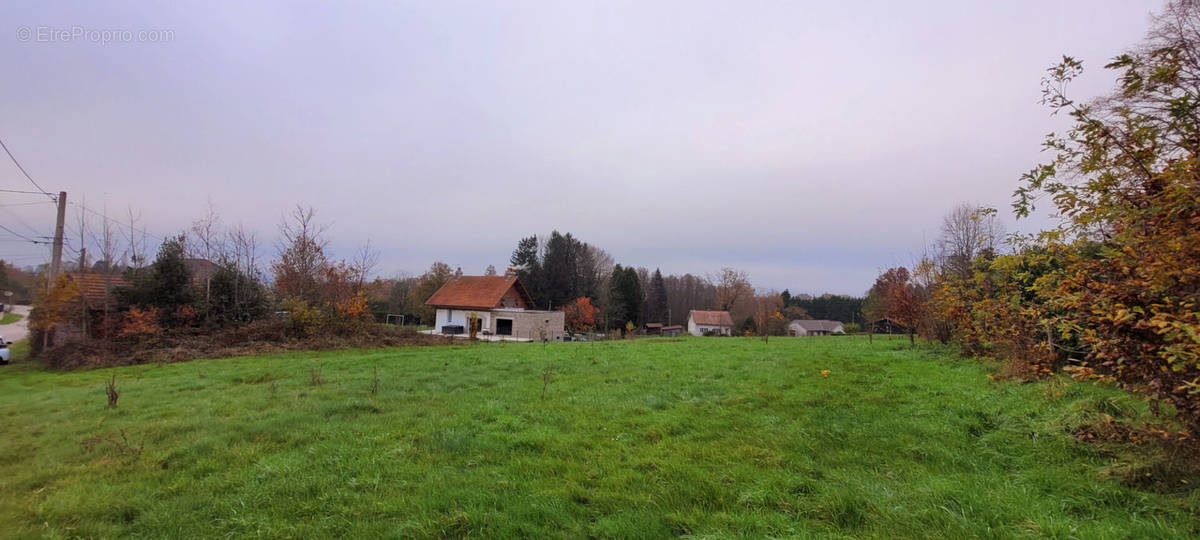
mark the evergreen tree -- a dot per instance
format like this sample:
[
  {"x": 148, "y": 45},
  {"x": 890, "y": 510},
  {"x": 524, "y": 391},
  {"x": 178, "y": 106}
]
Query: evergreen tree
[
  {"x": 166, "y": 284},
  {"x": 235, "y": 296},
  {"x": 656, "y": 302},
  {"x": 560, "y": 270},
  {"x": 626, "y": 293},
  {"x": 529, "y": 267},
  {"x": 172, "y": 281}
]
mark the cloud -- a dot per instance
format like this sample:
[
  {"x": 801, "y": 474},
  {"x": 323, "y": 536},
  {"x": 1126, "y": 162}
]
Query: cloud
[{"x": 809, "y": 144}]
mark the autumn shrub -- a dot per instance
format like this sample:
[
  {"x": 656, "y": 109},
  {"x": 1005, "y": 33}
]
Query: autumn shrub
[
  {"x": 350, "y": 315},
  {"x": 996, "y": 312},
  {"x": 57, "y": 306},
  {"x": 1115, "y": 287},
  {"x": 139, "y": 322},
  {"x": 1134, "y": 298},
  {"x": 186, "y": 315},
  {"x": 303, "y": 319}
]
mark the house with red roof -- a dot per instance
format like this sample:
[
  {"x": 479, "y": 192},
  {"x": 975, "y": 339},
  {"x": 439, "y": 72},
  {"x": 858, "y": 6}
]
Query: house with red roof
[
  {"x": 499, "y": 307},
  {"x": 709, "y": 323}
]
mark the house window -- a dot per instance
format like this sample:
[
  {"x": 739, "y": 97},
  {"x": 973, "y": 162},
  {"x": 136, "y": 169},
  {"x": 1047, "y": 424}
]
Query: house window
[{"x": 504, "y": 327}]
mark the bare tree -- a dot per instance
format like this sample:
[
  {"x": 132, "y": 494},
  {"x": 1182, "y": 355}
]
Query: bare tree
[
  {"x": 136, "y": 239},
  {"x": 241, "y": 252},
  {"x": 400, "y": 295},
  {"x": 364, "y": 264},
  {"x": 767, "y": 314},
  {"x": 686, "y": 293},
  {"x": 967, "y": 231},
  {"x": 595, "y": 267},
  {"x": 107, "y": 244},
  {"x": 206, "y": 240},
  {"x": 732, "y": 285},
  {"x": 490, "y": 271},
  {"x": 83, "y": 305},
  {"x": 242, "y": 248},
  {"x": 301, "y": 255},
  {"x": 83, "y": 233}
]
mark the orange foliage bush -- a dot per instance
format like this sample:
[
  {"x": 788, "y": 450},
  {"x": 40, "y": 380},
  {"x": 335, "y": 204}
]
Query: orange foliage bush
[
  {"x": 139, "y": 322},
  {"x": 580, "y": 314},
  {"x": 57, "y": 306}
]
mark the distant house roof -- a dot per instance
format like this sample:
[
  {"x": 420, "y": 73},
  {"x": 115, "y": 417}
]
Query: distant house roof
[
  {"x": 673, "y": 327},
  {"x": 654, "y": 325},
  {"x": 478, "y": 292},
  {"x": 813, "y": 325},
  {"x": 201, "y": 269},
  {"x": 711, "y": 318},
  {"x": 93, "y": 286}
]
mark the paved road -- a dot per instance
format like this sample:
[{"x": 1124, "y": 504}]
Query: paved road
[{"x": 18, "y": 330}]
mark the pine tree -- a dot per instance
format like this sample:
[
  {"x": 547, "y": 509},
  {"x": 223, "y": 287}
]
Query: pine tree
[
  {"x": 657, "y": 305},
  {"x": 529, "y": 268},
  {"x": 560, "y": 273}
]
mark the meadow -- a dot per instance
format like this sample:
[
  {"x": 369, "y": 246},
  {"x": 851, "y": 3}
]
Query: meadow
[{"x": 649, "y": 438}]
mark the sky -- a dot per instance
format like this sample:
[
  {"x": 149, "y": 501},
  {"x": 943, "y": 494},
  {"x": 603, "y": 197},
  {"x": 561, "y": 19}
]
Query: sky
[{"x": 811, "y": 144}]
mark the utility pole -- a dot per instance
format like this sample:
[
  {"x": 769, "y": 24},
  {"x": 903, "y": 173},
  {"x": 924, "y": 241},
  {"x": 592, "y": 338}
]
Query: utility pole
[{"x": 56, "y": 258}]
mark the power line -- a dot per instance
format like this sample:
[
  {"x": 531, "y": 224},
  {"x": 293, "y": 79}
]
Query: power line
[
  {"x": 22, "y": 169},
  {"x": 25, "y": 192},
  {"x": 118, "y": 222},
  {"x": 27, "y": 225},
  {"x": 25, "y": 203},
  {"x": 19, "y": 235}
]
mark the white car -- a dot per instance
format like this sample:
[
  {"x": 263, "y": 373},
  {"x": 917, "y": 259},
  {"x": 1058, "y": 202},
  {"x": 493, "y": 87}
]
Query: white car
[{"x": 4, "y": 352}]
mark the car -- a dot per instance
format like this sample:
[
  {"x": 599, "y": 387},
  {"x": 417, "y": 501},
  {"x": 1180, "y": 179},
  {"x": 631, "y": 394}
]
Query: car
[{"x": 4, "y": 351}]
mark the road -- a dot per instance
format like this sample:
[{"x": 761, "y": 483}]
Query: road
[{"x": 18, "y": 330}]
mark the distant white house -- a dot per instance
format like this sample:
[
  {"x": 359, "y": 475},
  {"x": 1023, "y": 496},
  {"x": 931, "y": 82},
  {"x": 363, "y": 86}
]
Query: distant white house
[
  {"x": 810, "y": 327},
  {"x": 709, "y": 323}
]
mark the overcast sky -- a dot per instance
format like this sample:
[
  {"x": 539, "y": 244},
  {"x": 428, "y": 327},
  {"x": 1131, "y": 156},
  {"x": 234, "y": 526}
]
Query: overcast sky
[{"x": 809, "y": 143}]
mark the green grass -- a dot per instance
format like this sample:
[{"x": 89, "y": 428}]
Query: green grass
[
  {"x": 10, "y": 318},
  {"x": 650, "y": 438}
]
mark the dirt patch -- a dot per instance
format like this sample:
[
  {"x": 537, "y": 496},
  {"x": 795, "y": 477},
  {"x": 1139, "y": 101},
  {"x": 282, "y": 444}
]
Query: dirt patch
[{"x": 191, "y": 344}]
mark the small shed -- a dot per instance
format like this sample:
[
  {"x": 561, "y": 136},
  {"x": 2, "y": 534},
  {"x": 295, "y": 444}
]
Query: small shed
[{"x": 888, "y": 326}]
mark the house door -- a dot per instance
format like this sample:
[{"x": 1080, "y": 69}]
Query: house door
[{"x": 503, "y": 327}]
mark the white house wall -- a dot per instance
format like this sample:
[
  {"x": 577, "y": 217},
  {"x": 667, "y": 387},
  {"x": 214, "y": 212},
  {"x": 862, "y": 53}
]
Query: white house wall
[
  {"x": 699, "y": 329},
  {"x": 459, "y": 316}
]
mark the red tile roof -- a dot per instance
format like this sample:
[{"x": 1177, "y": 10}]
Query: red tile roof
[
  {"x": 92, "y": 286},
  {"x": 711, "y": 318},
  {"x": 478, "y": 292},
  {"x": 673, "y": 327}
]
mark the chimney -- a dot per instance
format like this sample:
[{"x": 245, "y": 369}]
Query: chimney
[
  {"x": 458, "y": 273},
  {"x": 511, "y": 272}
]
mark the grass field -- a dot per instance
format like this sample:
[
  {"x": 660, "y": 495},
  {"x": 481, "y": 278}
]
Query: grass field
[
  {"x": 650, "y": 438},
  {"x": 9, "y": 318}
]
